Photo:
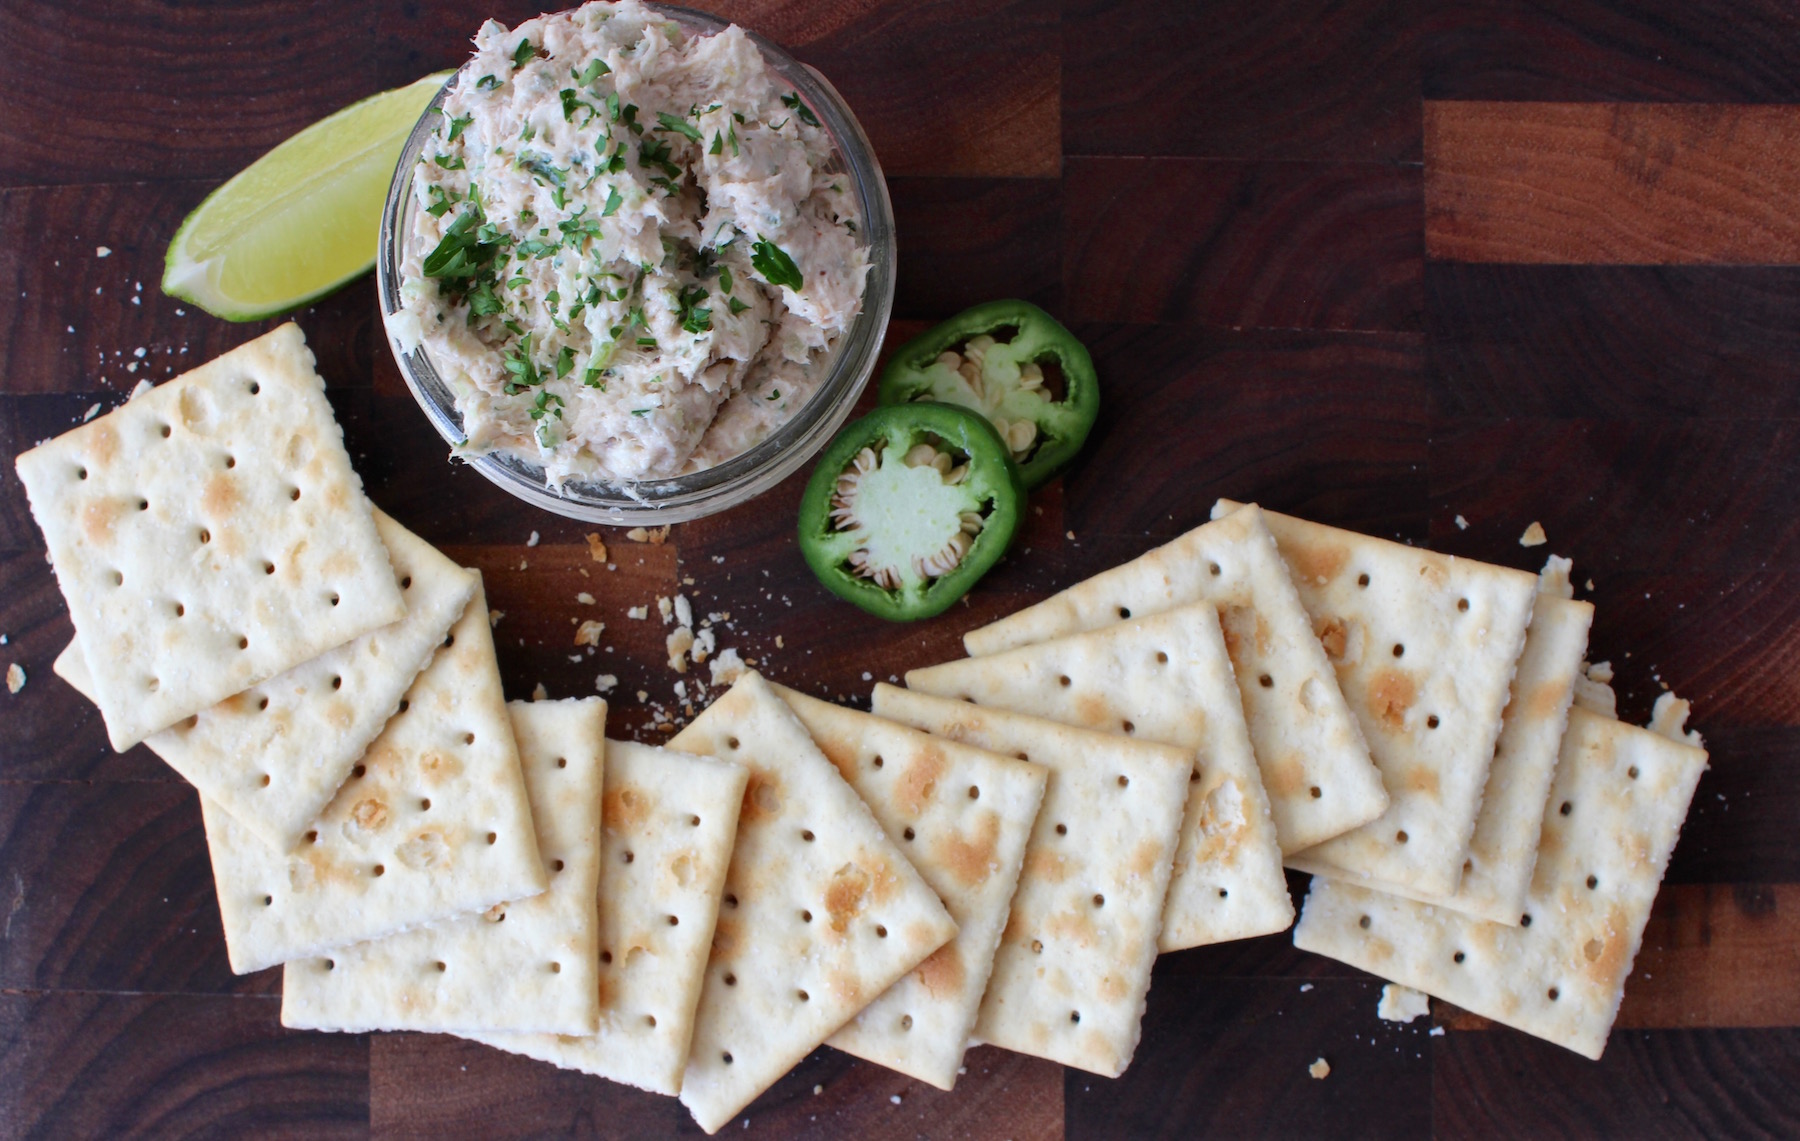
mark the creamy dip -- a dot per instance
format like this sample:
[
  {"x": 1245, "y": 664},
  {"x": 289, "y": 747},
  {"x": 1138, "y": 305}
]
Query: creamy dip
[{"x": 633, "y": 250}]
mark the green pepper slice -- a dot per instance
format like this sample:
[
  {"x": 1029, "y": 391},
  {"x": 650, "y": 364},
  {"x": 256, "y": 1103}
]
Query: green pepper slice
[
  {"x": 909, "y": 506},
  {"x": 1005, "y": 360}
]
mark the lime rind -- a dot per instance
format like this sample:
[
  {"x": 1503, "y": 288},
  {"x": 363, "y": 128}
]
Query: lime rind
[{"x": 301, "y": 221}]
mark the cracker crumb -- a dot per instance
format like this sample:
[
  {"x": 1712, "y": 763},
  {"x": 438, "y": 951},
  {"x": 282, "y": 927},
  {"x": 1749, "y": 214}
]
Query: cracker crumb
[
  {"x": 638, "y": 535},
  {"x": 1320, "y": 1069},
  {"x": 588, "y": 633},
  {"x": 867, "y": 676},
  {"x": 684, "y": 611},
  {"x": 1534, "y": 536},
  {"x": 93, "y": 411},
  {"x": 1304, "y": 987},
  {"x": 138, "y": 390},
  {"x": 678, "y": 643},
  {"x": 1601, "y": 672},
  {"x": 727, "y": 667},
  {"x": 1461, "y": 523},
  {"x": 15, "y": 678},
  {"x": 1668, "y": 716},
  {"x": 1590, "y": 586},
  {"x": 1402, "y": 1003},
  {"x": 596, "y": 547},
  {"x": 533, "y": 540},
  {"x": 539, "y": 693},
  {"x": 523, "y": 565},
  {"x": 654, "y": 535},
  {"x": 605, "y": 683},
  {"x": 704, "y": 644},
  {"x": 643, "y": 695},
  {"x": 1437, "y": 1031},
  {"x": 102, "y": 252},
  {"x": 494, "y": 617},
  {"x": 665, "y": 608},
  {"x": 687, "y": 580},
  {"x": 779, "y": 644},
  {"x": 681, "y": 691},
  {"x": 585, "y": 598},
  {"x": 817, "y": 1090},
  {"x": 639, "y": 613},
  {"x": 894, "y": 1097}
]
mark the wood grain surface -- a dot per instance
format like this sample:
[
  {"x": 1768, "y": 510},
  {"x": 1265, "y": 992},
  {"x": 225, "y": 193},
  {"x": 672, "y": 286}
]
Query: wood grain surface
[{"x": 1430, "y": 269}]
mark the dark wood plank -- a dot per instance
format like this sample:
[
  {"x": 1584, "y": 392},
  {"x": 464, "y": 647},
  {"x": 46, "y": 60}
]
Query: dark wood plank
[
  {"x": 1612, "y": 184},
  {"x": 1622, "y": 496},
  {"x": 107, "y": 887},
  {"x": 1291, "y": 79},
  {"x": 963, "y": 241},
  {"x": 1201, "y": 1036},
  {"x": 1740, "y": 828},
  {"x": 1240, "y": 244},
  {"x": 1330, "y": 426},
  {"x": 921, "y": 78},
  {"x": 1620, "y": 342},
  {"x": 430, "y": 1086},
  {"x": 1708, "y": 51},
  {"x": 86, "y": 1065},
  {"x": 1717, "y": 955},
  {"x": 134, "y": 89},
  {"x": 1649, "y": 1084}
]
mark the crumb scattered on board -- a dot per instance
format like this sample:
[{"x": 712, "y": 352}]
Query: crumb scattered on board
[
  {"x": 1402, "y": 1003},
  {"x": 1320, "y": 1069},
  {"x": 596, "y": 548},
  {"x": 1534, "y": 536},
  {"x": 15, "y": 678},
  {"x": 1461, "y": 523}
]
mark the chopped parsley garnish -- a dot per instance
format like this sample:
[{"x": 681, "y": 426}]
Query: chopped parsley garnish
[
  {"x": 522, "y": 371},
  {"x": 725, "y": 278},
  {"x": 591, "y": 378},
  {"x": 571, "y": 102},
  {"x": 737, "y": 306},
  {"x": 642, "y": 411},
  {"x": 695, "y": 318},
  {"x": 792, "y": 99},
  {"x": 654, "y": 153},
  {"x": 629, "y": 118},
  {"x": 777, "y": 268},
  {"x": 678, "y": 124},
  {"x": 612, "y": 107},
  {"x": 718, "y": 144},
  {"x": 458, "y": 125},
  {"x": 440, "y": 201},
  {"x": 594, "y": 70},
  {"x": 647, "y": 342},
  {"x": 731, "y": 137},
  {"x": 487, "y": 83},
  {"x": 522, "y": 54},
  {"x": 565, "y": 361},
  {"x": 774, "y": 394},
  {"x": 613, "y": 202},
  {"x": 450, "y": 163},
  {"x": 542, "y": 408},
  {"x": 463, "y": 251}
]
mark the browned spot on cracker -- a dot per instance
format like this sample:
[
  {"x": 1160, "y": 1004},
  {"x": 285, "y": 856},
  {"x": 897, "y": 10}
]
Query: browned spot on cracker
[
  {"x": 1042, "y": 863},
  {"x": 970, "y": 859},
  {"x": 919, "y": 780},
  {"x": 97, "y": 516},
  {"x": 1223, "y": 823},
  {"x": 1091, "y": 710},
  {"x": 942, "y": 973},
  {"x": 725, "y": 936},
  {"x": 1391, "y": 693},
  {"x": 103, "y": 443},
  {"x": 219, "y": 499},
  {"x": 839, "y": 755},
  {"x": 438, "y": 767},
  {"x": 1113, "y": 988},
  {"x": 1145, "y": 858},
  {"x": 1284, "y": 776},
  {"x": 846, "y": 986},
  {"x": 1422, "y": 779},
  {"x": 625, "y": 806},
  {"x": 1073, "y": 927},
  {"x": 1317, "y": 565},
  {"x": 369, "y": 814},
  {"x": 1335, "y": 637},
  {"x": 424, "y": 850},
  {"x": 762, "y": 797},
  {"x": 1545, "y": 701},
  {"x": 845, "y": 895}
]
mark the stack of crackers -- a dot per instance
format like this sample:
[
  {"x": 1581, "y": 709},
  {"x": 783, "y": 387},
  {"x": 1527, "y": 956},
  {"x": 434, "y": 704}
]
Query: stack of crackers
[{"x": 995, "y": 854}]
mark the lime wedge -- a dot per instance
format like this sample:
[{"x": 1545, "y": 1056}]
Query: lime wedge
[{"x": 301, "y": 220}]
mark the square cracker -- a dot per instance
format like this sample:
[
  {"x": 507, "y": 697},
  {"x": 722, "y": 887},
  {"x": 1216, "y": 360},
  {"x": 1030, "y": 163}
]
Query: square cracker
[
  {"x": 963, "y": 815},
  {"x": 210, "y": 535},
  {"x": 432, "y": 823},
  {"x": 1164, "y": 678},
  {"x": 1073, "y": 966},
  {"x": 1503, "y": 850},
  {"x": 828, "y": 914},
  {"x": 1424, "y": 645},
  {"x": 670, "y": 822},
  {"x": 1612, "y": 819},
  {"x": 528, "y": 965},
  {"x": 274, "y": 755},
  {"x": 1315, "y": 767}
]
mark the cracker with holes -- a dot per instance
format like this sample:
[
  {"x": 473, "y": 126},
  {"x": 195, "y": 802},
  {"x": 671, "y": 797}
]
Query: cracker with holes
[
  {"x": 528, "y": 965},
  {"x": 670, "y": 821},
  {"x": 1166, "y": 678},
  {"x": 1073, "y": 966},
  {"x": 829, "y": 913},
  {"x": 1424, "y": 645},
  {"x": 1614, "y": 813},
  {"x": 209, "y": 536},
  {"x": 274, "y": 755},
  {"x": 1503, "y": 850},
  {"x": 433, "y": 823},
  {"x": 1315, "y": 767},
  {"x": 963, "y": 816}
]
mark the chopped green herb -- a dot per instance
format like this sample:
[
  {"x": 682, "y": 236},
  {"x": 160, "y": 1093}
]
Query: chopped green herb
[
  {"x": 695, "y": 318},
  {"x": 737, "y": 306},
  {"x": 738, "y": 115},
  {"x": 461, "y": 254},
  {"x": 458, "y": 125},
  {"x": 565, "y": 361},
  {"x": 450, "y": 163},
  {"x": 678, "y": 124},
  {"x": 774, "y": 394},
  {"x": 594, "y": 70},
  {"x": 591, "y": 378},
  {"x": 540, "y": 409},
  {"x": 519, "y": 366},
  {"x": 655, "y": 154},
  {"x": 523, "y": 53},
  {"x": 571, "y": 101},
  {"x": 647, "y": 342},
  {"x": 718, "y": 144},
  {"x": 440, "y": 201},
  {"x": 613, "y": 202},
  {"x": 775, "y": 265},
  {"x": 792, "y": 99},
  {"x": 731, "y": 137},
  {"x": 629, "y": 118},
  {"x": 725, "y": 278},
  {"x": 612, "y": 107},
  {"x": 487, "y": 83},
  {"x": 642, "y": 411}
]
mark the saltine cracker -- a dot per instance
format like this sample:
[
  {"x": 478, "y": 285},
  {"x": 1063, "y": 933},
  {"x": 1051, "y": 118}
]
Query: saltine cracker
[
  {"x": 963, "y": 816},
  {"x": 1072, "y": 970},
  {"x": 529, "y": 965},
  {"x": 1315, "y": 767},
  {"x": 1165, "y": 678},
  {"x": 209, "y": 535}
]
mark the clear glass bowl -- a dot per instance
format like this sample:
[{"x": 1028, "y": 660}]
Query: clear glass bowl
[{"x": 743, "y": 476}]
